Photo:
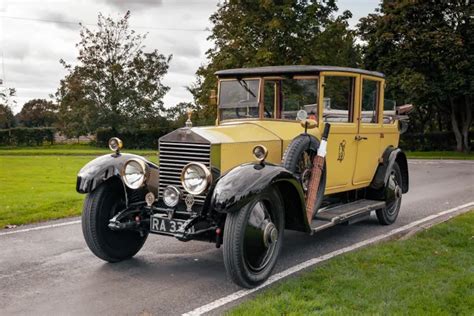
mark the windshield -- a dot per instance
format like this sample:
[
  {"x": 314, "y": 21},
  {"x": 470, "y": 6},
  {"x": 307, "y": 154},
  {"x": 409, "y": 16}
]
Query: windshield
[{"x": 238, "y": 99}]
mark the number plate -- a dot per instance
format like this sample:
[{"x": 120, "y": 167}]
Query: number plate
[{"x": 165, "y": 225}]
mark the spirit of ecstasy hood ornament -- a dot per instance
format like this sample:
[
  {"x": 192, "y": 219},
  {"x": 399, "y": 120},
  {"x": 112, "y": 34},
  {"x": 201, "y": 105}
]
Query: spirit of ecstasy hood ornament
[{"x": 189, "y": 111}]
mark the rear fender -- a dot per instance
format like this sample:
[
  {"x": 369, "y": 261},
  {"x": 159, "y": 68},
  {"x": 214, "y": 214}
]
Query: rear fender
[
  {"x": 105, "y": 167},
  {"x": 389, "y": 157},
  {"x": 240, "y": 185}
]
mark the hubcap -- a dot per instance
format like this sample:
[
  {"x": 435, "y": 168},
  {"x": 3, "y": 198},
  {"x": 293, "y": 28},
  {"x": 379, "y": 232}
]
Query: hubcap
[
  {"x": 270, "y": 234},
  {"x": 393, "y": 194},
  {"x": 260, "y": 239}
]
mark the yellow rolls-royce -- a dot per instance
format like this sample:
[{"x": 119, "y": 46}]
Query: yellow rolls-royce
[{"x": 294, "y": 147}]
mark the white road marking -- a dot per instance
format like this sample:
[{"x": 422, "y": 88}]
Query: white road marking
[
  {"x": 276, "y": 277},
  {"x": 39, "y": 228}
]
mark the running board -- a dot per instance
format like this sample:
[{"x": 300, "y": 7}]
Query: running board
[{"x": 346, "y": 213}]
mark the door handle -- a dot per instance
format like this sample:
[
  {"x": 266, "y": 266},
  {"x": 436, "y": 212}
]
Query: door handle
[{"x": 358, "y": 137}]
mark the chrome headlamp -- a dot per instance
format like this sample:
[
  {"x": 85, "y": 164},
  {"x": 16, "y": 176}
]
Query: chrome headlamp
[
  {"x": 195, "y": 178},
  {"x": 134, "y": 173},
  {"x": 171, "y": 196},
  {"x": 115, "y": 144}
]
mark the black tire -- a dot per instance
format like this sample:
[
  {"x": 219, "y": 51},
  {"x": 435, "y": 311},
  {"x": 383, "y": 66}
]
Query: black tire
[
  {"x": 249, "y": 261},
  {"x": 294, "y": 154},
  {"x": 388, "y": 215},
  {"x": 99, "y": 207}
]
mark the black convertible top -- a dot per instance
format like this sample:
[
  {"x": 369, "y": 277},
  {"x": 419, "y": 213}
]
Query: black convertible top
[{"x": 290, "y": 70}]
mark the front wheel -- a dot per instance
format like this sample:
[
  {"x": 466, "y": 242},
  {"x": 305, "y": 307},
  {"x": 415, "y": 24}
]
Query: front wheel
[
  {"x": 99, "y": 207},
  {"x": 252, "y": 239}
]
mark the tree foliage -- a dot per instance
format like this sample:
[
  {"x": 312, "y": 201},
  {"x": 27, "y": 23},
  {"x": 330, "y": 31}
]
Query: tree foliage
[
  {"x": 38, "y": 113},
  {"x": 263, "y": 33},
  {"x": 7, "y": 118},
  {"x": 115, "y": 83},
  {"x": 425, "y": 47}
]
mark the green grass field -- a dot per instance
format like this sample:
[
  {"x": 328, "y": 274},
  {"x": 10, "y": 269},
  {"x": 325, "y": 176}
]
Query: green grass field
[
  {"x": 36, "y": 188},
  {"x": 38, "y": 184},
  {"x": 430, "y": 274},
  {"x": 70, "y": 149}
]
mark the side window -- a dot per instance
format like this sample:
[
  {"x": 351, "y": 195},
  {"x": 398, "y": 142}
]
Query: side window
[
  {"x": 338, "y": 99},
  {"x": 299, "y": 94},
  {"x": 370, "y": 100},
  {"x": 269, "y": 99}
]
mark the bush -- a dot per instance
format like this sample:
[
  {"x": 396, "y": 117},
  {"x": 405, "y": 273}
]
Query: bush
[
  {"x": 27, "y": 136},
  {"x": 137, "y": 139},
  {"x": 433, "y": 141}
]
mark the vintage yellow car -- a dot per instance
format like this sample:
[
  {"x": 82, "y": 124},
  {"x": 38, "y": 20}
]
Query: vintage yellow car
[{"x": 260, "y": 170}]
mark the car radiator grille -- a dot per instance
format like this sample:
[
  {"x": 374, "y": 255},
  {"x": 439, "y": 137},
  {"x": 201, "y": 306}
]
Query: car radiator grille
[{"x": 174, "y": 156}]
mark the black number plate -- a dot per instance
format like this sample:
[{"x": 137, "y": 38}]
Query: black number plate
[{"x": 165, "y": 225}]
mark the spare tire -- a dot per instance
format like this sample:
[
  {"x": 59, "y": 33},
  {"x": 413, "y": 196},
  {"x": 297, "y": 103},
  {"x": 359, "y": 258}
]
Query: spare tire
[{"x": 298, "y": 159}]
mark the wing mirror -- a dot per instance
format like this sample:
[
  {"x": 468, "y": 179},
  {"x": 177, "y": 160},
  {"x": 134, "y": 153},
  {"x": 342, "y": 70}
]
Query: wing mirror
[
  {"x": 309, "y": 124},
  {"x": 305, "y": 122}
]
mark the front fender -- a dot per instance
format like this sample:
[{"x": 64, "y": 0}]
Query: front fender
[
  {"x": 104, "y": 167},
  {"x": 237, "y": 188}
]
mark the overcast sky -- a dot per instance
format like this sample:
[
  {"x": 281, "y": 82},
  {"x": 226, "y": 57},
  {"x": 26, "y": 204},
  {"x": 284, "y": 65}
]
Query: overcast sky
[{"x": 35, "y": 34}]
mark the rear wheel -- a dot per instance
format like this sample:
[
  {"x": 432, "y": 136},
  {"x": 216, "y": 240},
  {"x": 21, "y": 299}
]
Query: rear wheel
[
  {"x": 99, "y": 207},
  {"x": 252, "y": 239},
  {"x": 393, "y": 197}
]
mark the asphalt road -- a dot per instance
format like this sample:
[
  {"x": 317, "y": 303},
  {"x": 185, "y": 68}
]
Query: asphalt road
[{"x": 51, "y": 271}]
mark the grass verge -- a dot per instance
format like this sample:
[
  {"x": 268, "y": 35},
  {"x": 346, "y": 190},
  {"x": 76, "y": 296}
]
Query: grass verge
[
  {"x": 431, "y": 273},
  {"x": 38, "y": 188},
  {"x": 439, "y": 155},
  {"x": 67, "y": 150}
]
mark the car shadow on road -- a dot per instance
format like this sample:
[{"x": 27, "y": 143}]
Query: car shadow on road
[{"x": 206, "y": 262}]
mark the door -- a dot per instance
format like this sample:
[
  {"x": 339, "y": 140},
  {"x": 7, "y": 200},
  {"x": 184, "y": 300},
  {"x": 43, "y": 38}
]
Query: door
[
  {"x": 337, "y": 99},
  {"x": 370, "y": 131}
]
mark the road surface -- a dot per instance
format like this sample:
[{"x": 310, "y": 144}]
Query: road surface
[{"x": 51, "y": 271}]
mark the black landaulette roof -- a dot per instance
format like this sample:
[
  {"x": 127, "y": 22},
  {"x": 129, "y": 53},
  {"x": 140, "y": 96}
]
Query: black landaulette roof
[{"x": 290, "y": 70}]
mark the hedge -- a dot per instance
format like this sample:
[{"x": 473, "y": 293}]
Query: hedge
[
  {"x": 137, "y": 139},
  {"x": 433, "y": 141},
  {"x": 27, "y": 136}
]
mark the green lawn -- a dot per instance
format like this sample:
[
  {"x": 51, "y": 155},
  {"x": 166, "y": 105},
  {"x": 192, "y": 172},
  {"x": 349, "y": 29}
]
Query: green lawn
[
  {"x": 439, "y": 155},
  {"x": 36, "y": 188},
  {"x": 429, "y": 274},
  {"x": 70, "y": 149},
  {"x": 40, "y": 187}
]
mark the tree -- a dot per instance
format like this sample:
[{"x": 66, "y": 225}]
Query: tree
[
  {"x": 38, "y": 113},
  {"x": 425, "y": 47},
  {"x": 7, "y": 119},
  {"x": 264, "y": 33},
  {"x": 115, "y": 84}
]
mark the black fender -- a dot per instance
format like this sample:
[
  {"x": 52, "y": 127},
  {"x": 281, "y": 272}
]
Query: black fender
[
  {"x": 237, "y": 187},
  {"x": 104, "y": 167},
  {"x": 389, "y": 157}
]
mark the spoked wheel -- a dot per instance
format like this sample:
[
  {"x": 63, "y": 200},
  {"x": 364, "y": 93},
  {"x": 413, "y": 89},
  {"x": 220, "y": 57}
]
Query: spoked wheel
[
  {"x": 393, "y": 197},
  {"x": 99, "y": 207},
  {"x": 253, "y": 238}
]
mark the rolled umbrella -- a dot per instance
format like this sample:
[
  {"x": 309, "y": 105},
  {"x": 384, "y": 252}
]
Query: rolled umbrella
[{"x": 316, "y": 173}]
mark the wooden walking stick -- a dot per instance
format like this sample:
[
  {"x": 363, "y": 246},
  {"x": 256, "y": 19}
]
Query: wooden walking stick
[{"x": 316, "y": 173}]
